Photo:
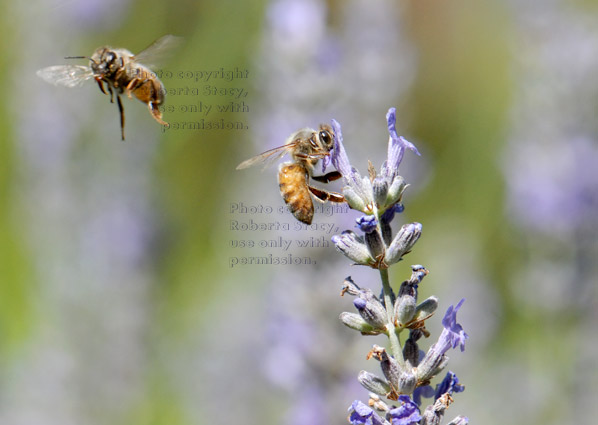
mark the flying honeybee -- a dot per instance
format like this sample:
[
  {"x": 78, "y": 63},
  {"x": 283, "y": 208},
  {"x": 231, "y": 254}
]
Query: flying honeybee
[
  {"x": 122, "y": 72},
  {"x": 307, "y": 147}
]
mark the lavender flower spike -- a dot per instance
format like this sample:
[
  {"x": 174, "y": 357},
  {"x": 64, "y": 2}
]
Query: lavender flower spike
[{"x": 406, "y": 376}]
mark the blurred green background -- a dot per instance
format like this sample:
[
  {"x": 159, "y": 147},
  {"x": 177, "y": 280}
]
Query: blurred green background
[{"x": 118, "y": 302}]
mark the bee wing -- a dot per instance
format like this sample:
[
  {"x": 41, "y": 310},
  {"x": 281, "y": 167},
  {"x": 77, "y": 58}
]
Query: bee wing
[
  {"x": 159, "y": 51},
  {"x": 65, "y": 75},
  {"x": 267, "y": 157}
]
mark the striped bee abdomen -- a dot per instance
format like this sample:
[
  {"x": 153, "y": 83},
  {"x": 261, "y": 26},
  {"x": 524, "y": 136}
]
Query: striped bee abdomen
[{"x": 292, "y": 180}]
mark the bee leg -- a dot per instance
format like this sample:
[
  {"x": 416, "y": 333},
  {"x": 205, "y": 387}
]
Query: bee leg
[
  {"x": 101, "y": 85},
  {"x": 324, "y": 195},
  {"x": 326, "y": 178},
  {"x": 135, "y": 82},
  {"x": 111, "y": 94},
  {"x": 122, "y": 117},
  {"x": 311, "y": 156},
  {"x": 156, "y": 113}
]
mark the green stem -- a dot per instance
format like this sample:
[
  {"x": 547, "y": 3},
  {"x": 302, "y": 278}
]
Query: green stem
[{"x": 395, "y": 345}]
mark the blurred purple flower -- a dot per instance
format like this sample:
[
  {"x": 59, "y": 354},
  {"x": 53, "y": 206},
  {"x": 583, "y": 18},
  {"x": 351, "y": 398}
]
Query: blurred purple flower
[
  {"x": 97, "y": 13},
  {"x": 289, "y": 20},
  {"x": 560, "y": 190}
]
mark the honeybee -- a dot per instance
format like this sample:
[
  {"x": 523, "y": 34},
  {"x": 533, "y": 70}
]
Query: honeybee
[
  {"x": 307, "y": 147},
  {"x": 122, "y": 72}
]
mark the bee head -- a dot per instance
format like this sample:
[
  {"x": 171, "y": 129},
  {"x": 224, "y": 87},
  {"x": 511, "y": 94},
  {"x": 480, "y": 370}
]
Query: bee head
[
  {"x": 325, "y": 136},
  {"x": 104, "y": 61}
]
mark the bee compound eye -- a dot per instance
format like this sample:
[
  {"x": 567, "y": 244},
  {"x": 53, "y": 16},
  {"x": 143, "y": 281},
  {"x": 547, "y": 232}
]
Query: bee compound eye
[
  {"x": 325, "y": 137},
  {"x": 110, "y": 57}
]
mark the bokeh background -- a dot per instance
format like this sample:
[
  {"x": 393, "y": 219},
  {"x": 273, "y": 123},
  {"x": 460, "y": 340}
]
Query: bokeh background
[{"x": 118, "y": 302}]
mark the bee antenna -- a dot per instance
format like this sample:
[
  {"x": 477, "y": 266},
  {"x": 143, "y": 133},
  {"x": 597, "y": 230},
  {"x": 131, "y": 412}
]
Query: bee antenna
[{"x": 77, "y": 57}]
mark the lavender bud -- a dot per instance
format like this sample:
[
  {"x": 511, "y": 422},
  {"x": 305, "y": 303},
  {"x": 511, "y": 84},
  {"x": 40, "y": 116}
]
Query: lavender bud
[
  {"x": 426, "y": 308},
  {"x": 377, "y": 403},
  {"x": 355, "y": 321},
  {"x": 416, "y": 334},
  {"x": 390, "y": 367},
  {"x": 364, "y": 185},
  {"x": 354, "y": 201},
  {"x": 386, "y": 232},
  {"x": 350, "y": 287},
  {"x": 433, "y": 362},
  {"x": 376, "y": 246},
  {"x": 403, "y": 242},
  {"x": 431, "y": 417},
  {"x": 418, "y": 272},
  {"x": 353, "y": 247},
  {"x": 459, "y": 420},
  {"x": 434, "y": 413},
  {"x": 371, "y": 309},
  {"x": 395, "y": 191},
  {"x": 373, "y": 383},
  {"x": 380, "y": 188},
  {"x": 407, "y": 382},
  {"x": 411, "y": 351},
  {"x": 404, "y": 309}
]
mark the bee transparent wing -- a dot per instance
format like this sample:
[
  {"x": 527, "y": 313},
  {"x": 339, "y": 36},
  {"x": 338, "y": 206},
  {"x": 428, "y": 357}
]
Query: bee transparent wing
[
  {"x": 267, "y": 157},
  {"x": 159, "y": 52},
  {"x": 66, "y": 75}
]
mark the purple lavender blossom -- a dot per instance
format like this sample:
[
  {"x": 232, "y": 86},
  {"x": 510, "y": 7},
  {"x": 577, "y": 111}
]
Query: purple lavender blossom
[
  {"x": 358, "y": 191},
  {"x": 453, "y": 333},
  {"x": 373, "y": 195},
  {"x": 452, "y": 336},
  {"x": 367, "y": 223},
  {"x": 396, "y": 147},
  {"x": 407, "y": 413},
  {"x": 423, "y": 391},
  {"x": 389, "y": 214},
  {"x": 449, "y": 384},
  {"x": 361, "y": 414}
]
